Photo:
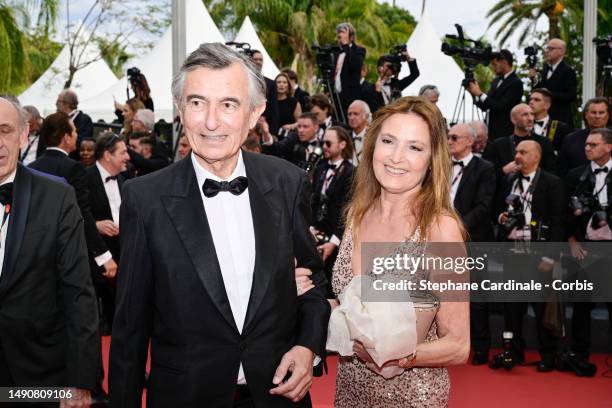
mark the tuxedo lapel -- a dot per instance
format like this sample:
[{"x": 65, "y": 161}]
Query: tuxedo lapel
[
  {"x": 186, "y": 210},
  {"x": 266, "y": 216},
  {"x": 467, "y": 175},
  {"x": 22, "y": 195},
  {"x": 100, "y": 194}
]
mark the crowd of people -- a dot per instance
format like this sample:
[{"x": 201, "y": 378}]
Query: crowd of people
[{"x": 102, "y": 235}]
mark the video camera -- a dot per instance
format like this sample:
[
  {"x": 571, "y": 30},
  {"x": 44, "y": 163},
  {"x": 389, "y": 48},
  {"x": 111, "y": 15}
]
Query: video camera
[
  {"x": 326, "y": 59},
  {"x": 471, "y": 56},
  {"x": 604, "y": 49},
  {"x": 313, "y": 158},
  {"x": 532, "y": 53},
  {"x": 244, "y": 48},
  {"x": 516, "y": 214},
  {"x": 395, "y": 58},
  {"x": 586, "y": 204}
]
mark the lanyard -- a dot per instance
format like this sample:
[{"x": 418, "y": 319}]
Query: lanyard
[
  {"x": 27, "y": 150},
  {"x": 7, "y": 212},
  {"x": 457, "y": 176}
]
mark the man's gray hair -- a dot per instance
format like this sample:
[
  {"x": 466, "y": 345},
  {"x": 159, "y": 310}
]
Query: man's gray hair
[
  {"x": 480, "y": 125},
  {"x": 427, "y": 89},
  {"x": 365, "y": 107},
  {"x": 219, "y": 56},
  {"x": 21, "y": 113},
  {"x": 33, "y": 113},
  {"x": 70, "y": 97},
  {"x": 346, "y": 26}
]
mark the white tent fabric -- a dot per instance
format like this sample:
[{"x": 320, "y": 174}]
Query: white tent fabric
[
  {"x": 247, "y": 34},
  {"x": 435, "y": 68},
  {"x": 87, "y": 82},
  {"x": 157, "y": 67}
]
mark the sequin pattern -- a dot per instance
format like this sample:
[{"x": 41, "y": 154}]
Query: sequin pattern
[{"x": 359, "y": 387}]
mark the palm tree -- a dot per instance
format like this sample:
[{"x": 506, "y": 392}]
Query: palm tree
[{"x": 512, "y": 14}]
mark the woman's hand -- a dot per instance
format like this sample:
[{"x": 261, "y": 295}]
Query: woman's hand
[
  {"x": 362, "y": 353},
  {"x": 303, "y": 281}
]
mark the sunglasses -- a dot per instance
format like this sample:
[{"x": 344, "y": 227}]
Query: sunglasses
[
  {"x": 327, "y": 143},
  {"x": 454, "y": 138}
]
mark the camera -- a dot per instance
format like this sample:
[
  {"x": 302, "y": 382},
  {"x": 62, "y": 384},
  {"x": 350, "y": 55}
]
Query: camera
[
  {"x": 604, "y": 49},
  {"x": 516, "y": 215},
  {"x": 582, "y": 204},
  {"x": 244, "y": 48},
  {"x": 326, "y": 58},
  {"x": 309, "y": 164},
  {"x": 506, "y": 358},
  {"x": 531, "y": 52},
  {"x": 395, "y": 58},
  {"x": 471, "y": 56}
]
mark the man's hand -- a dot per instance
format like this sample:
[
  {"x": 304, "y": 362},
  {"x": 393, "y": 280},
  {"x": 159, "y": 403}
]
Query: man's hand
[
  {"x": 298, "y": 361},
  {"x": 80, "y": 398},
  {"x": 576, "y": 249},
  {"x": 108, "y": 228},
  {"x": 265, "y": 130},
  {"x": 302, "y": 280},
  {"x": 511, "y": 167},
  {"x": 110, "y": 269},
  {"x": 326, "y": 249},
  {"x": 474, "y": 88},
  {"x": 503, "y": 217},
  {"x": 545, "y": 267}
]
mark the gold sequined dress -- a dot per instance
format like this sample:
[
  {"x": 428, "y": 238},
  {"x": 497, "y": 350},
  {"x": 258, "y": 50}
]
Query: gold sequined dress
[{"x": 359, "y": 387}]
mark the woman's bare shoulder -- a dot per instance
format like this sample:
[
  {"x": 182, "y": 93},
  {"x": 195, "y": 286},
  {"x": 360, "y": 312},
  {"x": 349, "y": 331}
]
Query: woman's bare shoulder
[{"x": 446, "y": 228}]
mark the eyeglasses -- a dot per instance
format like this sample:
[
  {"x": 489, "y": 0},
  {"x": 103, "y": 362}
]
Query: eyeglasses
[
  {"x": 327, "y": 143},
  {"x": 454, "y": 138},
  {"x": 549, "y": 48}
]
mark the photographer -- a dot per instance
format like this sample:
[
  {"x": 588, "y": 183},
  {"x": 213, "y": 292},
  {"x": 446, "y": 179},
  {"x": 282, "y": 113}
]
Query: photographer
[
  {"x": 540, "y": 101},
  {"x": 331, "y": 184},
  {"x": 348, "y": 65},
  {"x": 590, "y": 189},
  {"x": 388, "y": 87},
  {"x": 530, "y": 208},
  {"x": 298, "y": 148},
  {"x": 140, "y": 86},
  {"x": 505, "y": 93},
  {"x": 560, "y": 79}
]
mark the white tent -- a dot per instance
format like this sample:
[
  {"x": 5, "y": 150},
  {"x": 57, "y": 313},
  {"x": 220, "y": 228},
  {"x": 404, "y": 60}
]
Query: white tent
[
  {"x": 437, "y": 69},
  {"x": 157, "y": 67},
  {"x": 87, "y": 82},
  {"x": 247, "y": 34}
]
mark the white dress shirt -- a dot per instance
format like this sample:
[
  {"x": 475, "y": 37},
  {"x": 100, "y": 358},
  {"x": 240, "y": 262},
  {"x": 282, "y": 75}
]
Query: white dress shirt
[
  {"x": 231, "y": 225},
  {"x": 339, "y": 64},
  {"x": 552, "y": 69},
  {"x": 4, "y": 229},
  {"x": 358, "y": 144},
  {"x": 111, "y": 187},
  {"x": 526, "y": 197},
  {"x": 458, "y": 174},
  {"x": 30, "y": 150},
  {"x": 602, "y": 233},
  {"x": 540, "y": 130}
]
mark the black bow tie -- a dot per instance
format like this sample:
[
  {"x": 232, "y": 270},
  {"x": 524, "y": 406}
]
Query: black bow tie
[
  {"x": 358, "y": 138},
  {"x": 526, "y": 178},
  {"x": 601, "y": 170},
  {"x": 539, "y": 122},
  {"x": 237, "y": 186},
  {"x": 458, "y": 163},
  {"x": 330, "y": 166},
  {"x": 6, "y": 193},
  {"x": 109, "y": 178}
]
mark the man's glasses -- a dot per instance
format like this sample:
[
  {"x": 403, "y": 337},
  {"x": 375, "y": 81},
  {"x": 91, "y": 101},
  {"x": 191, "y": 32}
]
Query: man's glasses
[
  {"x": 327, "y": 143},
  {"x": 454, "y": 138}
]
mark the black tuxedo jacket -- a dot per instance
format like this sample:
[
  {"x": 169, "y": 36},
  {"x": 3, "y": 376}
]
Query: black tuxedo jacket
[
  {"x": 547, "y": 203},
  {"x": 499, "y": 102},
  {"x": 350, "y": 75},
  {"x": 578, "y": 181},
  {"x": 290, "y": 149},
  {"x": 502, "y": 151},
  {"x": 562, "y": 84},
  {"x": 474, "y": 198},
  {"x": 376, "y": 98},
  {"x": 59, "y": 164},
  {"x": 572, "y": 153},
  {"x": 100, "y": 209},
  {"x": 171, "y": 291},
  {"x": 84, "y": 126},
  {"x": 302, "y": 97},
  {"x": 337, "y": 196},
  {"x": 271, "y": 112},
  {"x": 556, "y": 138},
  {"x": 368, "y": 95},
  {"x": 48, "y": 312}
]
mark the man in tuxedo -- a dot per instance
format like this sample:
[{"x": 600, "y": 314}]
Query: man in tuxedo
[
  {"x": 389, "y": 87},
  {"x": 35, "y": 146},
  {"x": 48, "y": 316},
  {"x": 502, "y": 151},
  {"x": 213, "y": 243},
  {"x": 271, "y": 112},
  {"x": 544, "y": 126},
  {"x": 543, "y": 202},
  {"x": 348, "y": 65},
  {"x": 331, "y": 186},
  {"x": 296, "y": 147},
  {"x": 596, "y": 114},
  {"x": 472, "y": 192},
  {"x": 506, "y": 92},
  {"x": 560, "y": 79},
  {"x": 359, "y": 118},
  {"x": 68, "y": 102},
  {"x": 593, "y": 180}
]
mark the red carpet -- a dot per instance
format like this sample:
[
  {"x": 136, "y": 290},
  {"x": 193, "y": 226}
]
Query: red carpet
[{"x": 475, "y": 387}]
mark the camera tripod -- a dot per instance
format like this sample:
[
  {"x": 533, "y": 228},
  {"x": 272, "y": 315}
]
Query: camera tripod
[
  {"x": 605, "y": 87},
  {"x": 460, "y": 107},
  {"x": 327, "y": 82}
]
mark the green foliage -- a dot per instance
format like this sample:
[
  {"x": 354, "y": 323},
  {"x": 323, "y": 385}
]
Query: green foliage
[
  {"x": 114, "y": 54},
  {"x": 14, "y": 59}
]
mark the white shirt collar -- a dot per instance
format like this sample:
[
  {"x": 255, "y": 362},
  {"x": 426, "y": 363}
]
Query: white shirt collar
[
  {"x": 466, "y": 160},
  {"x": 338, "y": 162},
  {"x": 508, "y": 74},
  {"x": 103, "y": 172},
  {"x": 10, "y": 178},
  {"x": 545, "y": 119},
  {"x": 58, "y": 149},
  {"x": 553, "y": 67},
  {"x": 360, "y": 134},
  {"x": 328, "y": 121},
  {"x": 202, "y": 174},
  {"x": 595, "y": 166}
]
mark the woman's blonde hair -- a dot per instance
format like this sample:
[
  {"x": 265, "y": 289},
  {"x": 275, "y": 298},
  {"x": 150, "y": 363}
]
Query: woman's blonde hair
[{"x": 433, "y": 199}]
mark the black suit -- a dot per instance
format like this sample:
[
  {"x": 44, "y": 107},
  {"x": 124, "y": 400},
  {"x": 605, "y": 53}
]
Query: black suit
[
  {"x": 290, "y": 149},
  {"x": 350, "y": 75},
  {"x": 562, "y": 84},
  {"x": 499, "y": 102},
  {"x": 171, "y": 291},
  {"x": 502, "y": 151},
  {"x": 572, "y": 153},
  {"x": 271, "y": 112},
  {"x": 302, "y": 97},
  {"x": 48, "y": 314},
  {"x": 59, "y": 164},
  {"x": 548, "y": 208},
  {"x": 84, "y": 126}
]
